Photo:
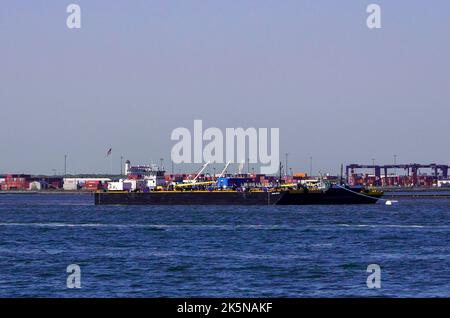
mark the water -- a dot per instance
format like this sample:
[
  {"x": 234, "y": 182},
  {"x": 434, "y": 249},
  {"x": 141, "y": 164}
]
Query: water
[{"x": 150, "y": 251}]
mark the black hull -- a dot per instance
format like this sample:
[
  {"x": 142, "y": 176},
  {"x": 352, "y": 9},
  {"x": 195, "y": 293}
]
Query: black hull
[{"x": 332, "y": 196}]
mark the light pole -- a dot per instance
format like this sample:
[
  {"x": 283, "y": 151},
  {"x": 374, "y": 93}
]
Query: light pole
[
  {"x": 286, "y": 165},
  {"x": 65, "y": 165},
  {"x": 395, "y": 163}
]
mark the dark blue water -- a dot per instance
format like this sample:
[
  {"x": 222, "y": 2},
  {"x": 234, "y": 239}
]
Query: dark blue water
[{"x": 297, "y": 251}]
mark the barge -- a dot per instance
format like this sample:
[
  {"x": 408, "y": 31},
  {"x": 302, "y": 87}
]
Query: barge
[{"x": 301, "y": 196}]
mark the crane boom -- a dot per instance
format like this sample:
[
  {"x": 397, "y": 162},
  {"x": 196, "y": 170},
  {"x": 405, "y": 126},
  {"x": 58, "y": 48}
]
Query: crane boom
[
  {"x": 201, "y": 170},
  {"x": 224, "y": 169}
]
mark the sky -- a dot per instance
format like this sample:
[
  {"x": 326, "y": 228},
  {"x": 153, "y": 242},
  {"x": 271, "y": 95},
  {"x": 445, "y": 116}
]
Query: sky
[{"x": 136, "y": 70}]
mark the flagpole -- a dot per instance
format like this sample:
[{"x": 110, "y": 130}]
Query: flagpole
[
  {"x": 109, "y": 154},
  {"x": 110, "y": 162}
]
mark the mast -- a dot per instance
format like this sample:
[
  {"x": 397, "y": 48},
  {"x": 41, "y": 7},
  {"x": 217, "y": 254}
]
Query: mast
[{"x": 279, "y": 180}]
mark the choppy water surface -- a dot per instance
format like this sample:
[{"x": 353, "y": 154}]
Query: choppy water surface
[{"x": 184, "y": 251}]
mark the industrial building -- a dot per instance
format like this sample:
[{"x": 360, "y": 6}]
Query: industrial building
[
  {"x": 18, "y": 182},
  {"x": 25, "y": 182}
]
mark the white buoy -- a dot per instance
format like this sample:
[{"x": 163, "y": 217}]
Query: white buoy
[{"x": 388, "y": 202}]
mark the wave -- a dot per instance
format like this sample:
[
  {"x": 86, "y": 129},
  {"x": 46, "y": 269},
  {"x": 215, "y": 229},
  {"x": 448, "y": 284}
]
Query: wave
[
  {"x": 161, "y": 226},
  {"x": 393, "y": 226},
  {"x": 53, "y": 225},
  {"x": 232, "y": 227}
]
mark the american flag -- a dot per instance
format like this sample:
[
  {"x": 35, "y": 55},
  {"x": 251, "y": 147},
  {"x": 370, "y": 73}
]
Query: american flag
[{"x": 109, "y": 152}]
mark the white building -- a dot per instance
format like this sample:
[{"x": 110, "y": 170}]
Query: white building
[
  {"x": 70, "y": 184},
  {"x": 444, "y": 183},
  {"x": 119, "y": 186},
  {"x": 126, "y": 185},
  {"x": 35, "y": 186}
]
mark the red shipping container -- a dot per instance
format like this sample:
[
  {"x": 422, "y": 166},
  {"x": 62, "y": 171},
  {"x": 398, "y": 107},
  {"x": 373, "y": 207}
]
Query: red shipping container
[{"x": 92, "y": 185}]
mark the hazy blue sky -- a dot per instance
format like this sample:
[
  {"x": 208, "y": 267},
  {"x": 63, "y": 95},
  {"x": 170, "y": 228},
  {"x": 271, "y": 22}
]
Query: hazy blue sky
[{"x": 138, "y": 69}]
